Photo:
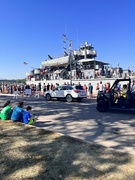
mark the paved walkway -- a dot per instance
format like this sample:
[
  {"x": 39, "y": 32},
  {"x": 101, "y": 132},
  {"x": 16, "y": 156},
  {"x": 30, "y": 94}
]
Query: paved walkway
[{"x": 118, "y": 135}]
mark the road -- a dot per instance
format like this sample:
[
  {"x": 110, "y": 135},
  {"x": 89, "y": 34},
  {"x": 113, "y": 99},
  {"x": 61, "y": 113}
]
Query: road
[{"x": 113, "y": 129}]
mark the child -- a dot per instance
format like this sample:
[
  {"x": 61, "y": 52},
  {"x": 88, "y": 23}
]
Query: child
[
  {"x": 27, "y": 118},
  {"x": 37, "y": 93},
  {"x": 16, "y": 93}
]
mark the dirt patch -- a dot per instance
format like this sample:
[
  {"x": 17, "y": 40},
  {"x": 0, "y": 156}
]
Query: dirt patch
[{"x": 27, "y": 152}]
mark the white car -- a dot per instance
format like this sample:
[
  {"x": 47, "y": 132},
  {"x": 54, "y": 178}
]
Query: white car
[{"x": 67, "y": 92}]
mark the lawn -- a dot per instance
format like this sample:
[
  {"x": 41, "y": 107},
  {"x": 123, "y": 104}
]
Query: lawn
[{"x": 27, "y": 152}]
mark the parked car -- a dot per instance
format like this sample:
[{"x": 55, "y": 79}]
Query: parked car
[
  {"x": 113, "y": 99},
  {"x": 67, "y": 92}
]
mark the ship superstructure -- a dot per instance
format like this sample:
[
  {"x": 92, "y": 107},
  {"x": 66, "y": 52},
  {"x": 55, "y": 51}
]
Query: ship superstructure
[
  {"x": 84, "y": 52},
  {"x": 77, "y": 64}
]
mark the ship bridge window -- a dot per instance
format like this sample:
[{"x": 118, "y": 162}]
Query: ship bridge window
[
  {"x": 57, "y": 88},
  {"x": 67, "y": 88},
  {"x": 90, "y": 48}
]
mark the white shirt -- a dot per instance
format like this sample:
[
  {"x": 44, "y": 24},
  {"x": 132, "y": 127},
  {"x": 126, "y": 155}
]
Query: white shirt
[{"x": 101, "y": 87}]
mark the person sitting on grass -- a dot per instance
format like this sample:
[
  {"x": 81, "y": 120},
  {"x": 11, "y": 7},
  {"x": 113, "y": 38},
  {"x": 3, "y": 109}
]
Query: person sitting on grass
[
  {"x": 6, "y": 111},
  {"x": 27, "y": 117},
  {"x": 17, "y": 114}
]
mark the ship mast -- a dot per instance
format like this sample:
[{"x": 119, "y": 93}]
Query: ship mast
[{"x": 70, "y": 54}]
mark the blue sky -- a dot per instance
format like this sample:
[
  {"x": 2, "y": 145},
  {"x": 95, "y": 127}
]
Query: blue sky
[{"x": 32, "y": 29}]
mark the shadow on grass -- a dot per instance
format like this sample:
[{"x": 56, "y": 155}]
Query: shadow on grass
[{"x": 31, "y": 153}]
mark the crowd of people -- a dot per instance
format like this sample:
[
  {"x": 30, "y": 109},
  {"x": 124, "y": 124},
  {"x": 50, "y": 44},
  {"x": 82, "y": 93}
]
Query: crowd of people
[
  {"x": 39, "y": 89},
  {"x": 18, "y": 89},
  {"x": 36, "y": 90}
]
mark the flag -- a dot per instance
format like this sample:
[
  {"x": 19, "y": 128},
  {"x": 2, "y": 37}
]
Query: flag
[
  {"x": 64, "y": 35},
  {"x": 25, "y": 63}
]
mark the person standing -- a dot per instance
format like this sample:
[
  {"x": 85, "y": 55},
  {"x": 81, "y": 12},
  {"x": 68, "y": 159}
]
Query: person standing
[
  {"x": 48, "y": 87},
  {"x": 37, "y": 92},
  {"x": 107, "y": 87},
  {"x": 90, "y": 90},
  {"x": 11, "y": 89},
  {"x": 0, "y": 88},
  {"x": 52, "y": 87},
  {"x": 101, "y": 87},
  {"x": 133, "y": 86},
  {"x": 44, "y": 88},
  {"x": 15, "y": 93},
  {"x": 97, "y": 88},
  {"x": 85, "y": 88},
  {"x": 39, "y": 88}
]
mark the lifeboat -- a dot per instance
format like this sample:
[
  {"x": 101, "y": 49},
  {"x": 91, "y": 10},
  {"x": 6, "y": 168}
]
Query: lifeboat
[{"x": 56, "y": 62}]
